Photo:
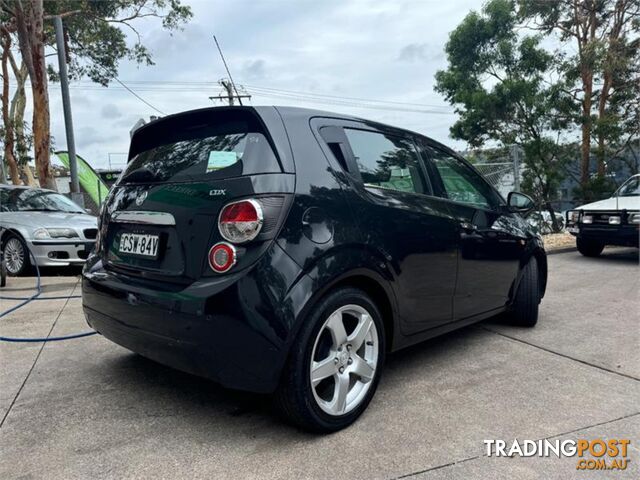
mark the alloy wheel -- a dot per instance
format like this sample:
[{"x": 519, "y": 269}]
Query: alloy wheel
[
  {"x": 344, "y": 360},
  {"x": 14, "y": 255}
]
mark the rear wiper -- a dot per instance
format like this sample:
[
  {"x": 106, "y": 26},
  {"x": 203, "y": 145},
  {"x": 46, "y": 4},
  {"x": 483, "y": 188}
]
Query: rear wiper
[{"x": 142, "y": 174}]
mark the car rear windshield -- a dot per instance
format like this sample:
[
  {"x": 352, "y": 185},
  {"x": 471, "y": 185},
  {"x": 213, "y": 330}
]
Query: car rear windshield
[{"x": 201, "y": 146}]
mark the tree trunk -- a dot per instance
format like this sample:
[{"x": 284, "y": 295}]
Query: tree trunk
[
  {"x": 30, "y": 28},
  {"x": 27, "y": 176},
  {"x": 41, "y": 137},
  {"x": 586, "y": 28},
  {"x": 602, "y": 112},
  {"x": 585, "y": 147},
  {"x": 609, "y": 66},
  {"x": 8, "y": 140},
  {"x": 18, "y": 106},
  {"x": 555, "y": 227}
]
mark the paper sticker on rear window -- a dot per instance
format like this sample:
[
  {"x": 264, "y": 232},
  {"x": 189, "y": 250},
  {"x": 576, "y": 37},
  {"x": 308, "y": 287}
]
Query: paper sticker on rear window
[{"x": 219, "y": 159}]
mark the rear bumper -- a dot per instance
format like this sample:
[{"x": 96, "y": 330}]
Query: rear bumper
[
  {"x": 621, "y": 235},
  {"x": 233, "y": 329}
]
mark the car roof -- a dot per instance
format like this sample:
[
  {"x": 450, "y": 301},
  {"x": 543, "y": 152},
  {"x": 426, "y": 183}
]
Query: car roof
[{"x": 301, "y": 113}]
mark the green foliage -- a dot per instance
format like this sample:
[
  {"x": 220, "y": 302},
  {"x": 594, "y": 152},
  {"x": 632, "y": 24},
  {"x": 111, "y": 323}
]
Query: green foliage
[
  {"x": 598, "y": 47},
  {"x": 596, "y": 189},
  {"x": 497, "y": 79},
  {"x": 96, "y": 33}
]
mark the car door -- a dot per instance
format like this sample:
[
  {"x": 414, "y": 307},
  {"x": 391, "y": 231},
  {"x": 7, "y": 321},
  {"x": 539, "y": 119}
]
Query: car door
[
  {"x": 490, "y": 239},
  {"x": 393, "y": 203}
]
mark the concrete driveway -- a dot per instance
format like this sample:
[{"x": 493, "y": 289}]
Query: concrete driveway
[{"x": 87, "y": 408}]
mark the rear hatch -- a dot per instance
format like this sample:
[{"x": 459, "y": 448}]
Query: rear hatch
[{"x": 161, "y": 218}]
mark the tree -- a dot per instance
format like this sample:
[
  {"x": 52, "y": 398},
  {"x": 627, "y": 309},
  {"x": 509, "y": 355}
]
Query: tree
[
  {"x": 96, "y": 44},
  {"x": 7, "y": 127},
  {"x": 498, "y": 81},
  {"x": 29, "y": 20},
  {"x": 16, "y": 143},
  {"x": 605, "y": 68}
]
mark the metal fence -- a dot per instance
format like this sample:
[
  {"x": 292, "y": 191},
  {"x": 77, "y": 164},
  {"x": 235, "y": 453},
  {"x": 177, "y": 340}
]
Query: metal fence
[
  {"x": 504, "y": 176},
  {"x": 502, "y": 168}
]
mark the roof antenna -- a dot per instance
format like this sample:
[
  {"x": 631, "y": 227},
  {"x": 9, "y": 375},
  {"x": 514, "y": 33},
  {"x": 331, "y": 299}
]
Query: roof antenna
[{"x": 227, "y": 68}]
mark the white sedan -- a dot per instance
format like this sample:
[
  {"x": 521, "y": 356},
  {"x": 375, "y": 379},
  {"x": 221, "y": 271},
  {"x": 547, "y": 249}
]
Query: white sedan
[{"x": 44, "y": 226}]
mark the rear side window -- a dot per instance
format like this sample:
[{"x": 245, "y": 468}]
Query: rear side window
[
  {"x": 192, "y": 150},
  {"x": 386, "y": 161}
]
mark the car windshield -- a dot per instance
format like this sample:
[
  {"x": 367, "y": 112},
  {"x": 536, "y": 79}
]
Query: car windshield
[
  {"x": 630, "y": 188},
  {"x": 33, "y": 200}
]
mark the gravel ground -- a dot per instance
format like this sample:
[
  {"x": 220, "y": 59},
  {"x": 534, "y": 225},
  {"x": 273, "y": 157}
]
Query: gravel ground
[{"x": 556, "y": 241}]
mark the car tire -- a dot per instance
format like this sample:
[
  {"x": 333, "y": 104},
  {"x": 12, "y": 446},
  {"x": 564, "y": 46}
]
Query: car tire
[
  {"x": 524, "y": 310},
  {"x": 16, "y": 255},
  {"x": 589, "y": 248},
  {"x": 338, "y": 394}
]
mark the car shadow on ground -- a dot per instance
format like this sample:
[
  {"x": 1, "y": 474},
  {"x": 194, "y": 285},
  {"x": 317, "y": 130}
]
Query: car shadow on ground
[
  {"x": 614, "y": 254},
  {"x": 198, "y": 396}
]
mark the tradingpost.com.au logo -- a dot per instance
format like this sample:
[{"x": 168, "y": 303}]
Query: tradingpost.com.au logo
[{"x": 596, "y": 454}]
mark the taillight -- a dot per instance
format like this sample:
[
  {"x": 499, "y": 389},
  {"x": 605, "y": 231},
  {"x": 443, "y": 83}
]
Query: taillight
[
  {"x": 241, "y": 221},
  {"x": 222, "y": 257}
]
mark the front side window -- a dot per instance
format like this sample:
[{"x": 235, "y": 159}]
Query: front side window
[
  {"x": 461, "y": 183},
  {"x": 386, "y": 161}
]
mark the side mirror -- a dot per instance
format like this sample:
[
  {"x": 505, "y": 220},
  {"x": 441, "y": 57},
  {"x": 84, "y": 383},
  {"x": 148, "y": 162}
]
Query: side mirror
[{"x": 519, "y": 202}]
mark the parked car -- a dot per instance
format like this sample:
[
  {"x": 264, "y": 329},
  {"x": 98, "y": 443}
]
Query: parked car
[
  {"x": 613, "y": 221},
  {"x": 541, "y": 221},
  {"x": 56, "y": 231},
  {"x": 287, "y": 251}
]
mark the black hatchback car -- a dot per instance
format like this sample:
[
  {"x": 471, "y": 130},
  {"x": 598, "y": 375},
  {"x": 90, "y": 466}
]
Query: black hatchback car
[{"x": 287, "y": 251}]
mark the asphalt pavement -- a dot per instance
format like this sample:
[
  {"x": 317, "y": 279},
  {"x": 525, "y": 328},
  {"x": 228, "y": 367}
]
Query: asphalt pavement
[{"x": 87, "y": 408}]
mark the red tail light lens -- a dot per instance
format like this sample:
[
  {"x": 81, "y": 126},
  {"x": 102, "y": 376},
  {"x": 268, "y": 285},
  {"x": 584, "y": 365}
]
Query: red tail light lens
[
  {"x": 222, "y": 257},
  {"x": 241, "y": 221}
]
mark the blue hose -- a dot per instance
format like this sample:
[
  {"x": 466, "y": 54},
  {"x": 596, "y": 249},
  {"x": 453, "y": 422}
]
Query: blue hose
[
  {"x": 29, "y": 299},
  {"x": 47, "y": 339}
]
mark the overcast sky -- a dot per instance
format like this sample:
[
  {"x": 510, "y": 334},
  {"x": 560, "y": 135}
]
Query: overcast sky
[{"x": 368, "y": 49}]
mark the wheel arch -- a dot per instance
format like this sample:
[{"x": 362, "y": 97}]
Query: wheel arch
[
  {"x": 378, "y": 295},
  {"x": 540, "y": 256},
  {"x": 14, "y": 231},
  {"x": 7, "y": 233},
  {"x": 371, "y": 283}
]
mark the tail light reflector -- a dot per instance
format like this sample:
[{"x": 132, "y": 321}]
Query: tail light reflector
[
  {"x": 241, "y": 221},
  {"x": 222, "y": 257}
]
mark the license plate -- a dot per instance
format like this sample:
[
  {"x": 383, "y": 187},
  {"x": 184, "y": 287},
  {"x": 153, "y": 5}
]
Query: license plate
[{"x": 139, "y": 244}]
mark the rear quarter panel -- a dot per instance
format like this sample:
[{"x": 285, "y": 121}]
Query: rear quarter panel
[{"x": 321, "y": 233}]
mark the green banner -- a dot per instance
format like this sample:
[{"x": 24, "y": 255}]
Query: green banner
[{"x": 89, "y": 180}]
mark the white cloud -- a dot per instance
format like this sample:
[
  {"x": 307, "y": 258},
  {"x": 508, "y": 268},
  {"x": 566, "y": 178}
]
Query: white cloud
[{"x": 110, "y": 111}]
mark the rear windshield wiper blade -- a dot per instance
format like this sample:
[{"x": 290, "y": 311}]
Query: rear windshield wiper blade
[{"x": 142, "y": 174}]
